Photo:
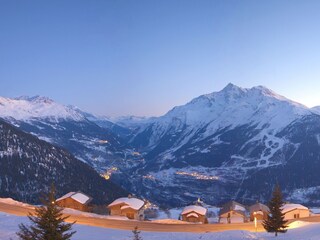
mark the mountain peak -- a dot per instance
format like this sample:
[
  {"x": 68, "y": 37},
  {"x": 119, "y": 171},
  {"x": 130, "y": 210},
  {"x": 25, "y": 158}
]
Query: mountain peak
[
  {"x": 36, "y": 98},
  {"x": 25, "y": 107},
  {"x": 231, "y": 87}
]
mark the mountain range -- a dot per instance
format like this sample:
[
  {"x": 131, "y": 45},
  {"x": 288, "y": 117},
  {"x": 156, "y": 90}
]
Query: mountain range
[{"x": 234, "y": 144}]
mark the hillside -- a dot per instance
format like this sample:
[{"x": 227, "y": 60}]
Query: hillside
[{"x": 29, "y": 165}]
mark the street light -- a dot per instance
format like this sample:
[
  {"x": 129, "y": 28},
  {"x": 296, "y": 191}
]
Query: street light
[{"x": 255, "y": 220}]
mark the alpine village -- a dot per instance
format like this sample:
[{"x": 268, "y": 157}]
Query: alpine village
[{"x": 159, "y": 119}]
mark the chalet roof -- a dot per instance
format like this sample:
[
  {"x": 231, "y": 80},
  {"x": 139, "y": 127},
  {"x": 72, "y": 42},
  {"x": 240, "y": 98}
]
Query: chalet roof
[
  {"x": 77, "y": 196},
  {"x": 291, "y": 206},
  {"x": 193, "y": 215},
  {"x": 131, "y": 202},
  {"x": 258, "y": 207},
  {"x": 194, "y": 208},
  {"x": 233, "y": 206}
]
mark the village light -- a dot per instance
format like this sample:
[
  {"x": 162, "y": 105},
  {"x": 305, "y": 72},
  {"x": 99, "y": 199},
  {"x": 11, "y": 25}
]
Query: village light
[
  {"x": 255, "y": 220},
  {"x": 197, "y": 175}
]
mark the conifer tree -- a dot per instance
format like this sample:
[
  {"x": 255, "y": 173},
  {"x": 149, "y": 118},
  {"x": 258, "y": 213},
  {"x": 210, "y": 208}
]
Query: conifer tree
[
  {"x": 275, "y": 221},
  {"x": 47, "y": 223},
  {"x": 136, "y": 234}
]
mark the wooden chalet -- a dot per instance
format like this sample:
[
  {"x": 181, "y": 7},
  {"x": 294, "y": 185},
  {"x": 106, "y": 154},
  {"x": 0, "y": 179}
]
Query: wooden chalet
[
  {"x": 195, "y": 214},
  {"x": 295, "y": 211},
  {"x": 75, "y": 200},
  {"x": 258, "y": 210},
  {"x": 232, "y": 212},
  {"x": 130, "y": 207}
]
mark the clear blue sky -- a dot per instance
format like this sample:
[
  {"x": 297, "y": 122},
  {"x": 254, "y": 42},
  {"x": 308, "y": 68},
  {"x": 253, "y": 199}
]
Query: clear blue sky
[{"x": 117, "y": 57}]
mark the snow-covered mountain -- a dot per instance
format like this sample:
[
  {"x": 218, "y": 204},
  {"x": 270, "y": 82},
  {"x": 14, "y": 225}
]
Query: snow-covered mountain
[
  {"x": 229, "y": 108},
  {"x": 132, "y": 122},
  {"x": 217, "y": 146},
  {"x": 232, "y": 144},
  {"x": 71, "y": 128},
  {"x": 28, "y": 108}
]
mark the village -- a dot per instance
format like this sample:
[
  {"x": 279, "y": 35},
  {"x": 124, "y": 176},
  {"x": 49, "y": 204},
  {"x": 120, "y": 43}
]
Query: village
[{"x": 232, "y": 212}]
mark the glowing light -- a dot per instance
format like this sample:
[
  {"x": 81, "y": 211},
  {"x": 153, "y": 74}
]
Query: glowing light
[
  {"x": 108, "y": 173},
  {"x": 198, "y": 175},
  {"x": 107, "y": 177},
  {"x": 255, "y": 220},
  {"x": 149, "y": 177},
  {"x": 297, "y": 224}
]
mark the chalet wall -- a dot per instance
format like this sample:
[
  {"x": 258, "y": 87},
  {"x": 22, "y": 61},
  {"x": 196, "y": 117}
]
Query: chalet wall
[
  {"x": 128, "y": 212},
  {"x": 200, "y": 218},
  {"x": 232, "y": 217},
  {"x": 259, "y": 217},
  {"x": 297, "y": 213},
  {"x": 71, "y": 203}
]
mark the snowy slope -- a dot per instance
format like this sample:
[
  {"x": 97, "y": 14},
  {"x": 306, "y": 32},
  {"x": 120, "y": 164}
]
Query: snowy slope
[
  {"x": 231, "y": 107},
  {"x": 91, "y": 139},
  {"x": 131, "y": 122},
  {"x": 223, "y": 145},
  {"x": 307, "y": 231},
  {"x": 25, "y": 108}
]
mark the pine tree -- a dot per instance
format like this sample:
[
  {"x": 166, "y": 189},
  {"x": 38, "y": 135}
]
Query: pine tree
[
  {"x": 47, "y": 222},
  {"x": 136, "y": 234},
  {"x": 275, "y": 221}
]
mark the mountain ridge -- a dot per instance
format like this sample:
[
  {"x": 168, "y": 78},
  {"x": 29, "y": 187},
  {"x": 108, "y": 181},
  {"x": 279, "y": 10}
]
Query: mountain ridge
[{"x": 213, "y": 147}]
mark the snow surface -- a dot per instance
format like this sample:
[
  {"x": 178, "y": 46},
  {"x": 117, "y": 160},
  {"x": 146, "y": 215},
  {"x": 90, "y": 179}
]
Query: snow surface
[
  {"x": 298, "y": 231},
  {"x": 232, "y": 106},
  {"x": 170, "y": 221},
  {"x": 227, "y": 109},
  {"x": 28, "y": 108},
  {"x": 315, "y": 211},
  {"x": 93, "y": 215},
  {"x": 130, "y": 122},
  {"x": 133, "y": 203},
  {"x": 14, "y": 202},
  {"x": 194, "y": 208}
]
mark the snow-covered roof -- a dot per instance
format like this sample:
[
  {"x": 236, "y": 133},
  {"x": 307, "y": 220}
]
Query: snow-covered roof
[
  {"x": 259, "y": 212},
  {"x": 80, "y": 197},
  {"x": 125, "y": 207},
  {"x": 291, "y": 206},
  {"x": 239, "y": 208},
  {"x": 77, "y": 196},
  {"x": 194, "y": 208},
  {"x": 65, "y": 196},
  {"x": 131, "y": 202},
  {"x": 193, "y": 215},
  {"x": 233, "y": 206},
  {"x": 258, "y": 207}
]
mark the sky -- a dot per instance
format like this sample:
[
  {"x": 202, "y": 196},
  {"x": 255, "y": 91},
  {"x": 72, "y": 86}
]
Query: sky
[{"x": 136, "y": 57}]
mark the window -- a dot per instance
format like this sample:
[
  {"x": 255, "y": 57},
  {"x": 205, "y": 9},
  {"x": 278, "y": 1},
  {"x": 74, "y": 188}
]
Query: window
[{"x": 296, "y": 215}]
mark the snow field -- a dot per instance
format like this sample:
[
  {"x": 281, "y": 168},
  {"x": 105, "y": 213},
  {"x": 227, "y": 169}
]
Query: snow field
[{"x": 300, "y": 231}]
